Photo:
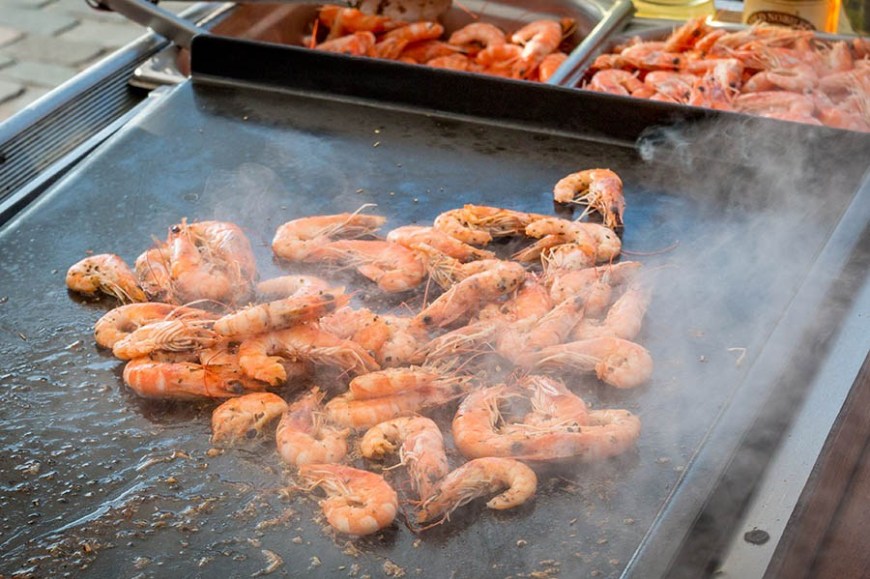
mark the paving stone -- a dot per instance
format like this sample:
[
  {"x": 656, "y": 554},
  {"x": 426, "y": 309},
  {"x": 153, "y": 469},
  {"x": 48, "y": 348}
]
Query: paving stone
[
  {"x": 35, "y": 21},
  {"x": 105, "y": 34},
  {"x": 37, "y": 73},
  {"x": 11, "y": 107},
  {"x": 9, "y": 35},
  {"x": 9, "y": 90},
  {"x": 55, "y": 50}
]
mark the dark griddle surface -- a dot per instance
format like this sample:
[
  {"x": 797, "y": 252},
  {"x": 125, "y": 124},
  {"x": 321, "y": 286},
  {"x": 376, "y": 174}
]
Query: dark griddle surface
[{"x": 80, "y": 486}]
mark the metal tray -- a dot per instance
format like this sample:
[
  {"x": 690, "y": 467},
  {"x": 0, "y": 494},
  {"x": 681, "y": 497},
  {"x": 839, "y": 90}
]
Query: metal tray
[
  {"x": 99, "y": 482},
  {"x": 288, "y": 23}
]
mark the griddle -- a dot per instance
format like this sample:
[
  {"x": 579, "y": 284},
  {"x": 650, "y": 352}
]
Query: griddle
[{"x": 756, "y": 229}]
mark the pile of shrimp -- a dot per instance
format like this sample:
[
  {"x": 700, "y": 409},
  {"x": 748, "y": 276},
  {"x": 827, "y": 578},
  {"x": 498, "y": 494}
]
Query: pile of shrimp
[
  {"x": 764, "y": 70},
  {"x": 532, "y": 52},
  {"x": 495, "y": 342}
]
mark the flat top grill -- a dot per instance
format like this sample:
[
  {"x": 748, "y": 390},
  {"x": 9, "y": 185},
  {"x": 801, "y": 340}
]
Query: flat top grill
[{"x": 113, "y": 484}]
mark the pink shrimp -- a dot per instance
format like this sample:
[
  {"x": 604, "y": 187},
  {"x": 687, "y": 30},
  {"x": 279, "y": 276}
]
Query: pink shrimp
[
  {"x": 393, "y": 267},
  {"x": 170, "y": 335},
  {"x": 279, "y": 314},
  {"x": 120, "y": 322},
  {"x": 599, "y": 189},
  {"x": 477, "y": 36},
  {"x": 296, "y": 239},
  {"x": 303, "y": 437},
  {"x": 245, "y": 418},
  {"x": 391, "y": 44},
  {"x": 538, "y": 39},
  {"x": 614, "y": 81},
  {"x": 479, "y": 224},
  {"x": 287, "y": 286},
  {"x": 356, "y": 44},
  {"x": 550, "y": 64},
  {"x": 106, "y": 273},
  {"x": 341, "y": 21},
  {"x": 411, "y": 236},
  {"x": 183, "y": 380},
  {"x": 623, "y": 320},
  {"x": 358, "y": 502},
  {"x": 594, "y": 284}
]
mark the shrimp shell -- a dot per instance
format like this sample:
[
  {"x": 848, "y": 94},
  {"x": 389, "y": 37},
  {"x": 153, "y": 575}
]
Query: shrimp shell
[
  {"x": 106, "y": 273},
  {"x": 245, "y": 417}
]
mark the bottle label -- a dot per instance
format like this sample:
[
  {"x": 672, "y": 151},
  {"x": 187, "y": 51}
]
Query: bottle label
[{"x": 780, "y": 19}]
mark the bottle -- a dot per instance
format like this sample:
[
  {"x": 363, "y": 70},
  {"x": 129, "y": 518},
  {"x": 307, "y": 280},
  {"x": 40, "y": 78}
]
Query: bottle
[
  {"x": 819, "y": 15},
  {"x": 673, "y": 9}
]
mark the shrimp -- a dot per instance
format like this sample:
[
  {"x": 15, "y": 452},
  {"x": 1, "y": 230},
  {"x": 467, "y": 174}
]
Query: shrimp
[
  {"x": 245, "y": 417},
  {"x": 296, "y": 239},
  {"x": 479, "y": 224},
  {"x": 394, "y": 381},
  {"x": 411, "y": 236},
  {"x": 461, "y": 341},
  {"x": 477, "y": 36},
  {"x": 452, "y": 62},
  {"x": 120, "y": 322},
  {"x": 341, "y": 21},
  {"x": 652, "y": 56},
  {"x": 623, "y": 320},
  {"x": 211, "y": 260},
  {"x": 774, "y": 101},
  {"x": 303, "y": 438},
  {"x": 422, "y": 449},
  {"x": 152, "y": 269},
  {"x": 515, "y": 482},
  {"x": 358, "y": 502},
  {"x": 531, "y": 301},
  {"x": 615, "y": 361},
  {"x": 279, "y": 314},
  {"x": 537, "y": 333},
  {"x": 346, "y": 410},
  {"x": 500, "y": 60},
  {"x": 674, "y": 86},
  {"x": 183, "y": 380},
  {"x": 173, "y": 335},
  {"x": 356, "y": 44},
  {"x": 687, "y": 35},
  {"x": 447, "y": 271},
  {"x": 797, "y": 78},
  {"x": 262, "y": 356},
  {"x": 393, "y": 267},
  {"x": 287, "y": 286},
  {"x": 614, "y": 81},
  {"x": 425, "y": 50},
  {"x": 392, "y": 340},
  {"x": 538, "y": 39},
  {"x": 106, "y": 273},
  {"x": 599, "y": 189},
  {"x": 560, "y": 237},
  {"x": 550, "y": 64},
  {"x": 391, "y": 44},
  {"x": 466, "y": 297}
]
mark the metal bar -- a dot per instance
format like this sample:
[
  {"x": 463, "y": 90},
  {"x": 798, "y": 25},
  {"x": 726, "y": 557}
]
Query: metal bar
[{"x": 161, "y": 21}]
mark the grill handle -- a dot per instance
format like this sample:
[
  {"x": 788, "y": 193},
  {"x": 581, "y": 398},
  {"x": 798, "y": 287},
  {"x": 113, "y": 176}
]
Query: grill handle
[{"x": 148, "y": 14}]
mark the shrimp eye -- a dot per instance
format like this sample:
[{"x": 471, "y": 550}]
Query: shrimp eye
[
  {"x": 175, "y": 229},
  {"x": 427, "y": 320},
  {"x": 236, "y": 387}
]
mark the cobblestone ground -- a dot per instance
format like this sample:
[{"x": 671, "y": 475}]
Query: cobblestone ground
[{"x": 43, "y": 43}]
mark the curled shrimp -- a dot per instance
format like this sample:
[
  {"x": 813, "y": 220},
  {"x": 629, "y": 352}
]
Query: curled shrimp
[
  {"x": 623, "y": 320},
  {"x": 173, "y": 335},
  {"x": 599, "y": 189},
  {"x": 245, "y": 418},
  {"x": 412, "y": 236},
  {"x": 152, "y": 269},
  {"x": 341, "y": 21},
  {"x": 594, "y": 284},
  {"x": 120, "y": 322},
  {"x": 614, "y": 81},
  {"x": 392, "y": 340},
  {"x": 538, "y": 39},
  {"x": 185, "y": 380},
  {"x": 615, "y": 361},
  {"x": 263, "y": 356},
  {"x": 422, "y": 449},
  {"x": 474, "y": 37},
  {"x": 296, "y": 239},
  {"x": 531, "y": 334},
  {"x": 479, "y": 224},
  {"x": 469, "y": 295},
  {"x": 304, "y": 438},
  {"x": 105, "y": 273},
  {"x": 446, "y": 271},
  {"x": 356, "y": 44},
  {"x": 279, "y": 314},
  {"x": 570, "y": 244},
  {"x": 391, "y": 44},
  {"x": 515, "y": 482},
  {"x": 393, "y": 267},
  {"x": 286, "y": 286},
  {"x": 358, "y": 502},
  {"x": 550, "y": 64}
]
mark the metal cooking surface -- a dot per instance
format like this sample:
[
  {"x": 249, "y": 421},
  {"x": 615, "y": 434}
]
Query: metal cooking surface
[{"x": 97, "y": 480}]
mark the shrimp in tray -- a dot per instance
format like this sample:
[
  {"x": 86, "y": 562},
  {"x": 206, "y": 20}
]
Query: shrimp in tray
[
  {"x": 304, "y": 437},
  {"x": 559, "y": 426},
  {"x": 515, "y": 482},
  {"x": 358, "y": 502},
  {"x": 264, "y": 356},
  {"x": 421, "y": 450},
  {"x": 245, "y": 418},
  {"x": 464, "y": 299},
  {"x": 614, "y": 361}
]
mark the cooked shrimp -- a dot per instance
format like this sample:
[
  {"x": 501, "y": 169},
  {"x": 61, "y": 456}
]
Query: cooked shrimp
[
  {"x": 536, "y": 333},
  {"x": 211, "y": 260},
  {"x": 358, "y": 502},
  {"x": 422, "y": 449},
  {"x": 394, "y": 381},
  {"x": 623, "y": 320},
  {"x": 304, "y": 438},
  {"x": 500, "y": 60},
  {"x": 106, "y": 273},
  {"x": 599, "y": 189},
  {"x": 392, "y": 340},
  {"x": 391, "y": 44},
  {"x": 120, "y": 322},
  {"x": 356, "y": 44},
  {"x": 152, "y": 269},
  {"x": 279, "y": 314},
  {"x": 594, "y": 284},
  {"x": 287, "y": 286},
  {"x": 452, "y": 62},
  {"x": 296, "y": 239},
  {"x": 538, "y": 39},
  {"x": 341, "y": 21},
  {"x": 262, "y": 356},
  {"x": 515, "y": 481},
  {"x": 652, "y": 56},
  {"x": 531, "y": 301},
  {"x": 461, "y": 341},
  {"x": 774, "y": 101},
  {"x": 173, "y": 335},
  {"x": 474, "y": 37},
  {"x": 245, "y": 418},
  {"x": 466, "y": 297},
  {"x": 550, "y": 64},
  {"x": 479, "y": 224},
  {"x": 615, "y": 361},
  {"x": 687, "y": 35},
  {"x": 447, "y": 271},
  {"x": 424, "y": 51},
  {"x": 184, "y": 380},
  {"x": 411, "y": 236},
  {"x": 393, "y": 267},
  {"x": 593, "y": 241}
]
